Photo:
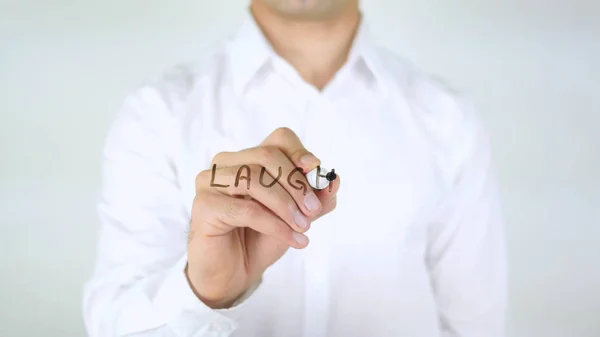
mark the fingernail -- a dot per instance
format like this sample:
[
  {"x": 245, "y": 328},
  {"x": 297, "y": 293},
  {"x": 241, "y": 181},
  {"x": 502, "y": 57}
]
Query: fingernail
[
  {"x": 308, "y": 159},
  {"x": 300, "y": 238},
  {"x": 301, "y": 220},
  {"x": 312, "y": 202}
]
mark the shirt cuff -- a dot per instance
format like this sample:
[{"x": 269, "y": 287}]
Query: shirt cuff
[{"x": 186, "y": 315}]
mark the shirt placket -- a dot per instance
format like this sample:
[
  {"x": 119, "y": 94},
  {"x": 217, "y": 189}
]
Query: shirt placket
[{"x": 317, "y": 255}]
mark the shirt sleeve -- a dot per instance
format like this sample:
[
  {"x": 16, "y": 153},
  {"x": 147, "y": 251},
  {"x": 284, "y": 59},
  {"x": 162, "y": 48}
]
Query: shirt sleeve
[
  {"x": 139, "y": 287},
  {"x": 466, "y": 248}
]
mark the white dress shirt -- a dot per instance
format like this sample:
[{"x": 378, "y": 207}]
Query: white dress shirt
[{"x": 414, "y": 248}]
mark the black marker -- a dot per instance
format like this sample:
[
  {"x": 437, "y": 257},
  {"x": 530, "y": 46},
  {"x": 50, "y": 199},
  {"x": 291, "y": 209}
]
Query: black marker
[{"x": 319, "y": 178}]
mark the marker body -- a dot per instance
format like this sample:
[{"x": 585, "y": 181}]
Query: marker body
[{"x": 318, "y": 178}]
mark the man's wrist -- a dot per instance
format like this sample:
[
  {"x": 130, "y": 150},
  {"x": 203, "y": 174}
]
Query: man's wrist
[
  {"x": 183, "y": 311},
  {"x": 225, "y": 302}
]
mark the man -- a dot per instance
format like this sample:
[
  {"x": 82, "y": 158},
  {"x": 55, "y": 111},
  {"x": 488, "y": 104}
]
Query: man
[{"x": 194, "y": 243}]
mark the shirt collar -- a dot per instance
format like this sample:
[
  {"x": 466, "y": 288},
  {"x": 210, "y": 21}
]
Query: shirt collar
[{"x": 249, "y": 51}]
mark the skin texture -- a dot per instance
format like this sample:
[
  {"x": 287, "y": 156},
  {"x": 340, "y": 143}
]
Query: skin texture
[
  {"x": 236, "y": 233},
  {"x": 308, "y": 10},
  {"x": 314, "y": 36}
]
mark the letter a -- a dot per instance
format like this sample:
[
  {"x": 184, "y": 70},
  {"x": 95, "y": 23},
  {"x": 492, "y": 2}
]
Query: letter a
[{"x": 247, "y": 177}]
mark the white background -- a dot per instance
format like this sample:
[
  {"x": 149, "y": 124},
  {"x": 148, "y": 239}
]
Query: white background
[{"x": 533, "y": 67}]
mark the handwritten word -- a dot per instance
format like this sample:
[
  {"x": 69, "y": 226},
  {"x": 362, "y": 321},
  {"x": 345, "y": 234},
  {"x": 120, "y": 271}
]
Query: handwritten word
[{"x": 296, "y": 184}]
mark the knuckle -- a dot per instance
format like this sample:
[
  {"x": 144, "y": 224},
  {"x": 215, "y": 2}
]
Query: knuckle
[
  {"x": 232, "y": 171},
  {"x": 200, "y": 207},
  {"x": 249, "y": 209},
  {"x": 203, "y": 199},
  {"x": 201, "y": 178},
  {"x": 283, "y": 130},
  {"x": 240, "y": 210},
  {"x": 283, "y": 133},
  {"x": 290, "y": 207},
  {"x": 266, "y": 154},
  {"x": 218, "y": 157},
  {"x": 231, "y": 211},
  {"x": 255, "y": 171}
]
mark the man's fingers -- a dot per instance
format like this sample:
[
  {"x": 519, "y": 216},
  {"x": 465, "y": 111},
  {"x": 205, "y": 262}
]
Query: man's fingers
[
  {"x": 288, "y": 142},
  {"x": 328, "y": 197},
  {"x": 225, "y": 213},
  {"x": 244, "y": 180},
  {"x": 278, "y": 165}
]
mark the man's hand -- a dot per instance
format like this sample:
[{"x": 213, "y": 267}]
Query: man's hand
[{"x": 236, "y": 233}]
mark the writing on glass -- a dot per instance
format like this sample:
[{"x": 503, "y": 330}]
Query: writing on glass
[{"x": 244, "y": 173}]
